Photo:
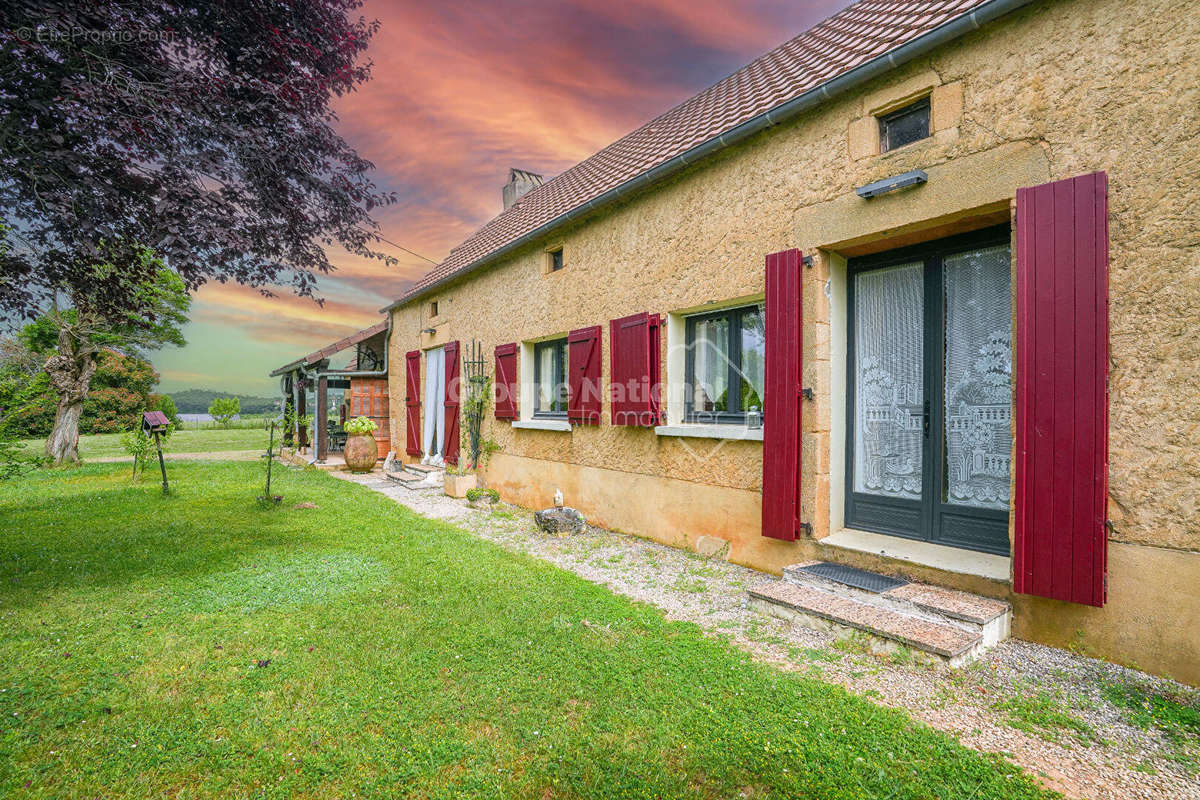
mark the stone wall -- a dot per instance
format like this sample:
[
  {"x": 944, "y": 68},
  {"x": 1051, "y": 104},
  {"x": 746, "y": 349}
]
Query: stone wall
[{"x": 1060, "y": 88}]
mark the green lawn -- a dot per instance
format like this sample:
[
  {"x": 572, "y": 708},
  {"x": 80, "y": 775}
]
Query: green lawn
[
  {"x": 107, "y": 445},
  {"x": 199, "y": 646}
]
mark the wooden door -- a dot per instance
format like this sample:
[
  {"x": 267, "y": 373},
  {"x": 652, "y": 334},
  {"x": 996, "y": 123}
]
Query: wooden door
[{"x": 369, "y": 398}]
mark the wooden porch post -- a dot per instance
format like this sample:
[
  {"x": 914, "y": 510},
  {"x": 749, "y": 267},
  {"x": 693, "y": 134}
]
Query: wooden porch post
[
  {"x": 319, "y": 422},
  {"x": 289, "y": 408},
  {"x": 301, "y": 410}
]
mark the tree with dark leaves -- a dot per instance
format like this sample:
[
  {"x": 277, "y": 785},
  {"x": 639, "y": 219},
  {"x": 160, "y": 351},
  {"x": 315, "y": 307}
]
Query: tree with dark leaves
[{"x": 202, "y": 130}]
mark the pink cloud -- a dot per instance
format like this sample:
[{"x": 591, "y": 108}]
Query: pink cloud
[{"x": 462, "y": 91}]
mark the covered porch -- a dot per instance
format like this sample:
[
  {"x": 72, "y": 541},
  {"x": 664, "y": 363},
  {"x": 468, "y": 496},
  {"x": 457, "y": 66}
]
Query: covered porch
[{"x": 319, "y": 397}]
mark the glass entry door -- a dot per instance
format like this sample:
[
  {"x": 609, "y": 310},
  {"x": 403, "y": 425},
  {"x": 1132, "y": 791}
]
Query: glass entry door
[{"x": 930, "y": 394}]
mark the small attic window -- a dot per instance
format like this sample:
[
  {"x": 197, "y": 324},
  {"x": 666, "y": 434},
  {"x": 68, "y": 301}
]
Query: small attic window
[
  {"x": 556, "y": 259},
  {"x": 904, "y": 125},
  {"x": 433, "y": 308}
]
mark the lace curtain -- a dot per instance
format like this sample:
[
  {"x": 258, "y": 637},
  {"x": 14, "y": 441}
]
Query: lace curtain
[
  {"x": 889, "y": 323},
  {"x": 978, "y": 363},
  {"x": 711, "y": 364}
]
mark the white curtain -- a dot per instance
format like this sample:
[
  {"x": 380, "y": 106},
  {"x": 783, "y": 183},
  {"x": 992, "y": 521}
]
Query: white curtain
[
  {"x": 547, "y": 387},
  {"x": 754, "y": 350},
  {"x": 435, "y": 401},
  {"x": 889, "y": 325},
  {"x": 978, "y": 378},
  {"x": 710, "y": 376}
]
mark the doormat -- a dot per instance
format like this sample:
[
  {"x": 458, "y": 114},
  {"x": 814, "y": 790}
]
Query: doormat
[{"x": 852, "y": 576}]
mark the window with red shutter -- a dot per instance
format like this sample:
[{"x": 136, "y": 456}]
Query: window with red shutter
[
  {"x": 782, "y": 397},
  {"x": 636, "y": 369},
  {"x": 505, "y": 383},
  {"x": 583, "y": 376},
  {"x": 1060, "y": 505}
]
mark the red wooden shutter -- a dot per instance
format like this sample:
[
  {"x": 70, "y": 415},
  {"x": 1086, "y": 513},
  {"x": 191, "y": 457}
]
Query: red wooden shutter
[
  {"x": 583, "y": 376},
  {"x": 505, "y": 383},
  {"x": 1060, "y": 506},
  {"x": 412, "y": 402},
  {"x": 453, "y": 392},
  {"x": 781, "y": 397},
  {"x": 635, "y": 362},
  {"x": 657, "y": 414}
]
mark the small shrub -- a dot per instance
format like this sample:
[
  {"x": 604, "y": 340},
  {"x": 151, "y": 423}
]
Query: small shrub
[
  {"x": 479, "y": 493},
  {"x": 13, "y": 459},
  {"x": 361, "y": 425},
  {"x": 139, "y": 445}
]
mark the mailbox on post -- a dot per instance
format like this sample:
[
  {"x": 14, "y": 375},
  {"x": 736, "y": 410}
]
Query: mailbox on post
[{"x": 155, "y": 423}]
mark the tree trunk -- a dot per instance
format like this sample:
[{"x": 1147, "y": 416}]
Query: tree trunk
[
  {"x": 62, "y": 446},
  {"x": 70, "y": 370}
]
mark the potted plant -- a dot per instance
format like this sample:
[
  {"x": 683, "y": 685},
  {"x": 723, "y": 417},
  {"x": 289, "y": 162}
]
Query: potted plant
[
  {"x": 458, "y": 480},
  {"x": 361, "y": 450}
]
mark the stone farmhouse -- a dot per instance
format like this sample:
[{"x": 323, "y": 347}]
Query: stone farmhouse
[{"x": 916, "y": 293}]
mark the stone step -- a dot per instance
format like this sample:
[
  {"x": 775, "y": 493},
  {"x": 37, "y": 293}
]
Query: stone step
[
  {"x": 415, "y": 480},
  {"x": 987, "y": 616},
  {"x": 824, "y": 610},
  {"x": 952, "y": 603},
  {"x": 418, "y": 468}
]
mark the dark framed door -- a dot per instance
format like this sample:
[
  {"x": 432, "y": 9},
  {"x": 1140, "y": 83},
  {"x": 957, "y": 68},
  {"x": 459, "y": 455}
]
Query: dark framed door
[{"x": 929, "y": 395}]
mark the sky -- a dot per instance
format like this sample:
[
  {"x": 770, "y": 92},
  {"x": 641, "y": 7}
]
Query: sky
[{"x": 460, "y": 92}]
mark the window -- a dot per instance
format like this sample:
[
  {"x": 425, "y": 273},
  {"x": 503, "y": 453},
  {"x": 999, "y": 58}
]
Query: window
[
  {"x": 550, "y": 379},
  {"x": 433, "y": 309},
  {"x": 556, "y": 260},
  {"x": 904, "y": 126},
  {"x": 726, "y": 354}
]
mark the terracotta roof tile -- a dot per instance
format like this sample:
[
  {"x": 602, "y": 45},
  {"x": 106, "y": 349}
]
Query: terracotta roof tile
[{"x": 842, "y": 42}]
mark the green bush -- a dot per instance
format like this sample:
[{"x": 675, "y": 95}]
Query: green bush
[
  {"x": 119, "y": 393},
  {"x": 479, "y": 493},
  {"x": 111, "y": 410},
  {"x": 27, "y": 403},
  {"x": 361, "y": 425}
]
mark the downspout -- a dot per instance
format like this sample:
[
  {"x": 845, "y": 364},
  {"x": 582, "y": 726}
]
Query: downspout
[{"x": 946, "y": 32}]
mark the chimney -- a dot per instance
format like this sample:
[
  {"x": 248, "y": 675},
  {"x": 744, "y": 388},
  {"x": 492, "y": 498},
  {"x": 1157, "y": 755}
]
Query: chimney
[{"x": 519, "y": 183}]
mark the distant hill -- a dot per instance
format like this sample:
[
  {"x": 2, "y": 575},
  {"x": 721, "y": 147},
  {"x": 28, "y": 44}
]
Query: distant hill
[{"x": 197, "y": 401}]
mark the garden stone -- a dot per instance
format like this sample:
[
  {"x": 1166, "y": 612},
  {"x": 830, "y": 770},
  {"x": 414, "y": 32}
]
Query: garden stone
[{"x": 559, "y": 520}]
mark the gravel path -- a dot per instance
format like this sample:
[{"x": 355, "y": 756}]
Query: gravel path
[{"x": 1046, "y": 709}]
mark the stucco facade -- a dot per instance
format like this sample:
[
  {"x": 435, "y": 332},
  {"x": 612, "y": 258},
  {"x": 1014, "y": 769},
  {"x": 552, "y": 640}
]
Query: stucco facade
[{"x": 1056, "y": 89}]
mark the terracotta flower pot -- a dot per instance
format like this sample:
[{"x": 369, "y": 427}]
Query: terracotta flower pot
[{"x": 361, "y": 452}]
